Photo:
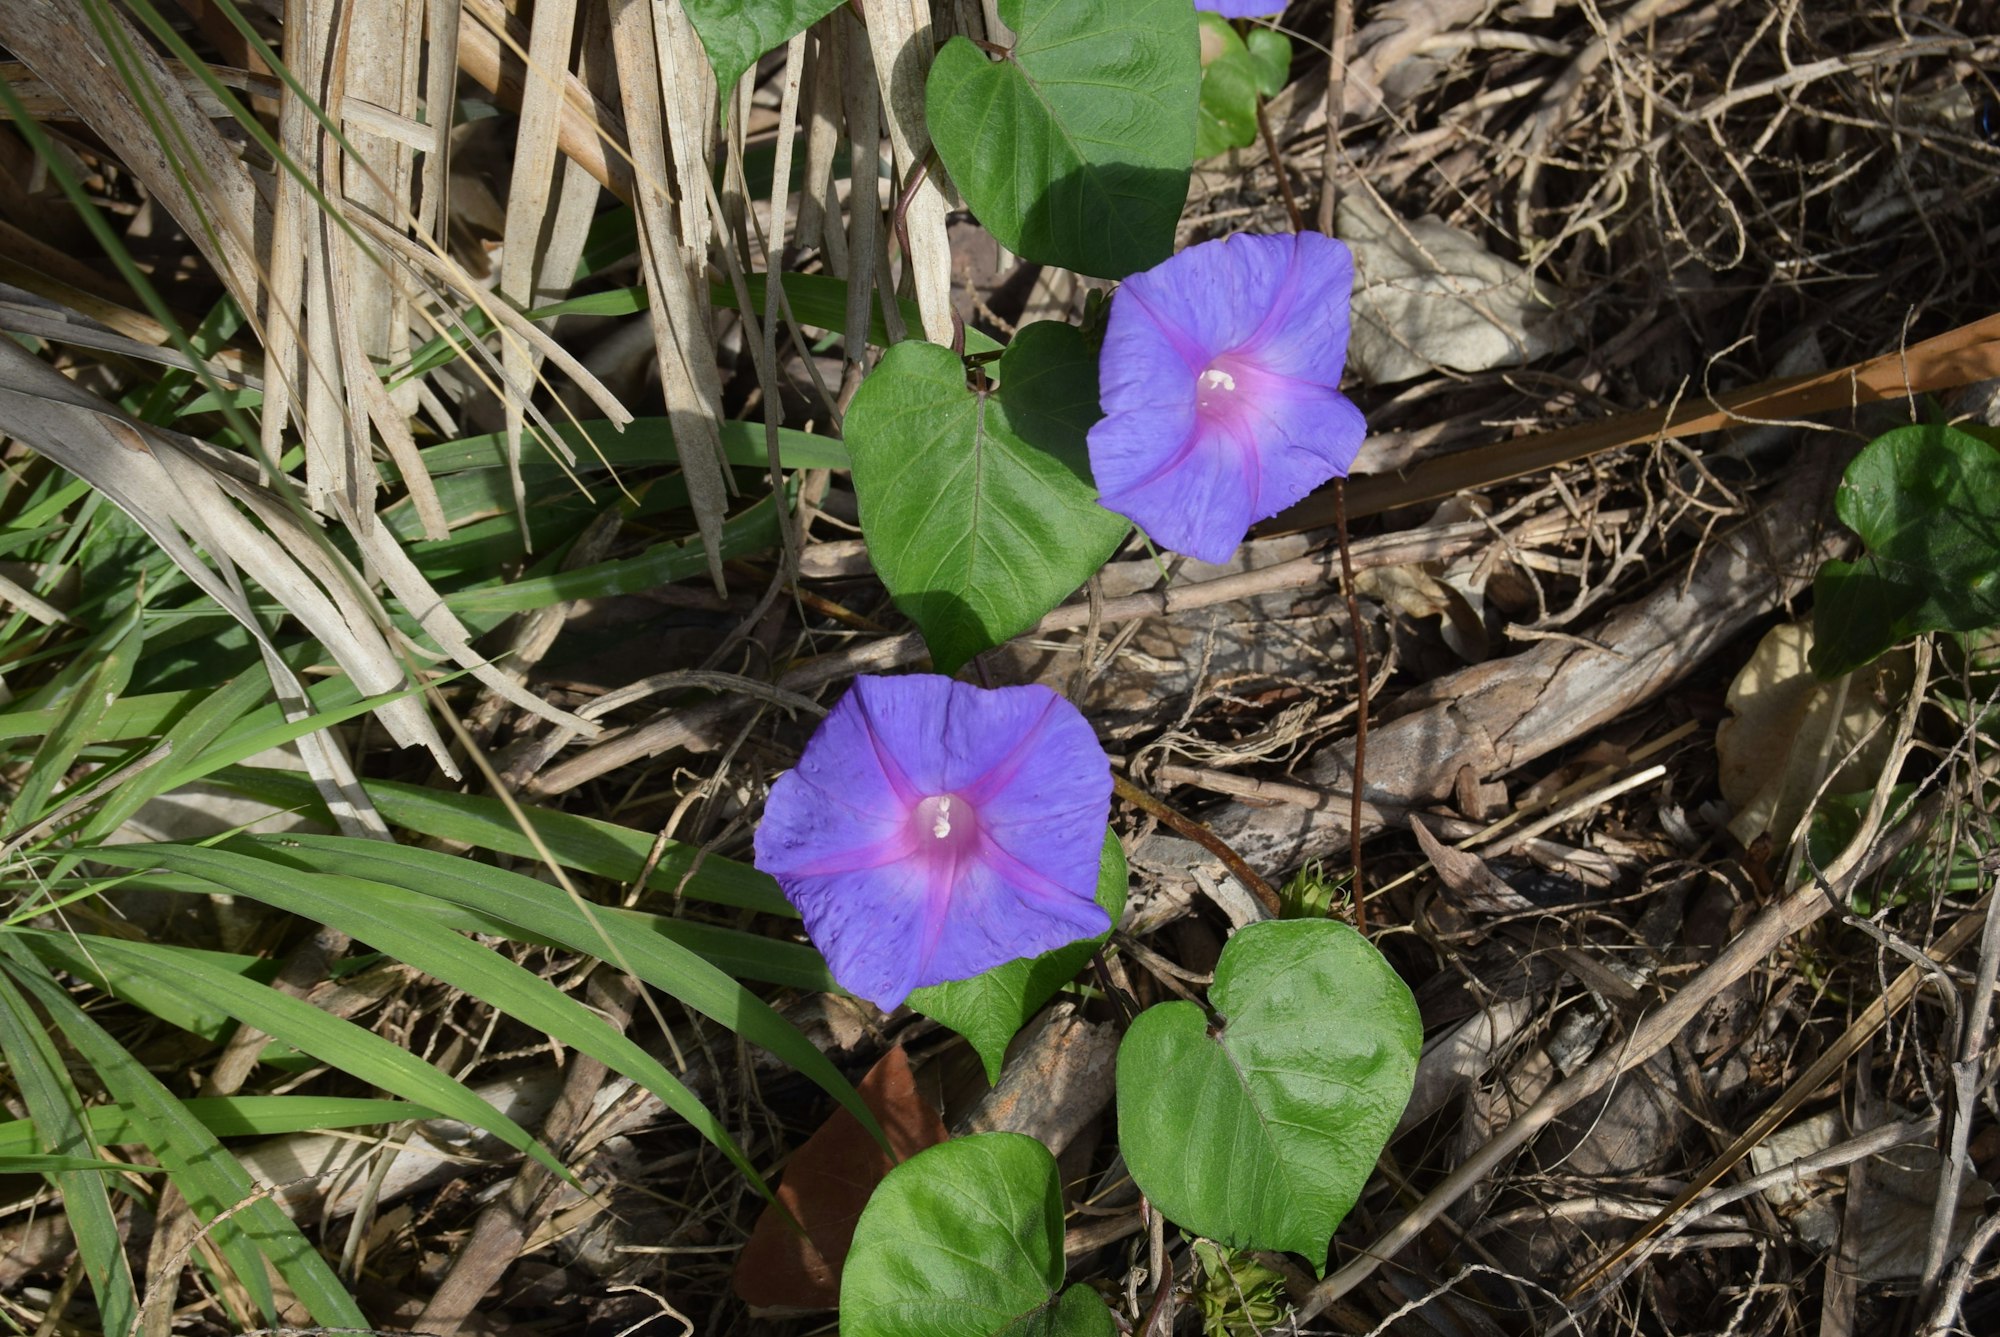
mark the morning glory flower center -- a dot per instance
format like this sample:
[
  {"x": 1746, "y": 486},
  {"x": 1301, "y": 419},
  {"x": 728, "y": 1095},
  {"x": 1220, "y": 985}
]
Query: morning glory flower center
[{"x": 943, "y": 824}]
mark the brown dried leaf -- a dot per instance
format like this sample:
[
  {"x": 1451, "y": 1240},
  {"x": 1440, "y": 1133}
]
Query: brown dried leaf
[
  {"x": 1476, "y": 886},
  {"x": 826, "y": 1184}
]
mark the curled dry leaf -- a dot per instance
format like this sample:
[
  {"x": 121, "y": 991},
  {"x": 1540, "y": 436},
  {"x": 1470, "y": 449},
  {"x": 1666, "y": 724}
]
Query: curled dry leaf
[
  {"x": 1473, "y": 885},
  {"x": 1790, "y": 730},
  {"x": 1429, "y": 295}
]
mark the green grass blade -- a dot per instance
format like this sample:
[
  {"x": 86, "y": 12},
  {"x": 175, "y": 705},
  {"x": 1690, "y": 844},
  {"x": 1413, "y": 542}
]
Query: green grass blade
[
  {"x": 107, "y": 663},
  {"x": 550, "y": 914},
  {"x": 382, "y": 917},
  {"x": 47, "y": 1165},
  {"x": 192, "y": 739},
  {"x": 643, "y": 441},
  {"x": 235, "y": 1116},
  {"x": 53, "y": 1104},
  {"x": 214, "y": 1183},
  {"x": 739, "y": 955},
  {"x": 751, "y": 530},
  {"x": 602, "y": 849},
  {"x": 128, "y": 718},
  {"x": 360, "y": 1053},
  {"x": 171, "y": 1003}
]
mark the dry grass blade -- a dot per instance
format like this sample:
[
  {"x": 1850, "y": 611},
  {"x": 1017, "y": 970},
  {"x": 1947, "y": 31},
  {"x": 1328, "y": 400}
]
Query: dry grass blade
[
  {"x": 178, "y": 490},
  {"x": 126, "y": 94},
  {"x": 490, "y": 50},
  {"x": 899, "y": 31},
  {"x": 528, "y": 210},
  {"x": 673, "y": 242}
]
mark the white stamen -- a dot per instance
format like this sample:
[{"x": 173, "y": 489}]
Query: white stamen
[
  {"x": 1215, "y": 378},
  {"x": 942, "y": 826}
]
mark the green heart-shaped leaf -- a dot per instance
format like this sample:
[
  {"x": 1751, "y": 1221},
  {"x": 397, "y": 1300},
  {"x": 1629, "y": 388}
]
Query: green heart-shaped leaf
[
  {"x": 966, "y": 1240},
  {"x": 1228, "y": 116},
  {"x": 1074, "y": 148},
  {"x": 1271, "y": 57},
  {"x": 1261, "y": 1131},
  {"x": 978, "y": 506},
  {"x": 1926, "y": 501},
  {"x": 737, "y": 32},
  {"x": 990, "y": 1008}
]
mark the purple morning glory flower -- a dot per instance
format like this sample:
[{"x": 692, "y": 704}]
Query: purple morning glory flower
[
  {"x": 1241, "y": 9},
  {"x": 933, "y": 830},
  {"x": 1220, "y": 384}
]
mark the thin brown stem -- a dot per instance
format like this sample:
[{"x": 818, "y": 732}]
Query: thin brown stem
[
  {"x": 901, "y": 217},
  {"x": 1278, "y": 165},
  {"x": 1361, "y": 700},
  {"x": 1201, "y": 836},
  {"x": 1336, "y": 107}
]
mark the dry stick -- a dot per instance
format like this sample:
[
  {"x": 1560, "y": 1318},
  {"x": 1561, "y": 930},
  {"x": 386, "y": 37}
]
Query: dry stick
[
  {"x": 1865, "y": 1025},
  {"x": 1278, "y": 165},
  {"x": 901, "y": 219},
  {"x": 1951, "y": 1296},
  {"x": 1762, "y": 937},
  {"x": 1965, "y": 1075},
  {"x": 1201, "y": 836},
  {"x": 1360, "y": 704},
  {"x": 1958, "y": 357},
  {"x": 692, "y": 725},
  {"x": 1346, "y": 568},
  {"x": 1336, "y": 105},
  {"x": 1817, "y": 1076},
  {"x": 1860, "y": 1148}
]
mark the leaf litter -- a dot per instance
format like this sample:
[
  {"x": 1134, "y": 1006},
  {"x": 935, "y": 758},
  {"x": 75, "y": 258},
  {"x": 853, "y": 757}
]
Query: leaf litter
[{"x": 1581, "y": 784}]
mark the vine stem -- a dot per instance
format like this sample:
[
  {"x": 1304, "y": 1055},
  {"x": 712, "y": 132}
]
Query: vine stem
[
  {"x": 1278, "y": 165},
  {"x": 1202, "y": 836}
]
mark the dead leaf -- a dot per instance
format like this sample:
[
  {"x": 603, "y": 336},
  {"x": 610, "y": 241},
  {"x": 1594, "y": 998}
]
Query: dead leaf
[
  {"x": 1902, "y": 1188},
  {"x": 1428, "y": 295},
  {"x": 1474, "y": 885},
  {"x": 826, "y": 1184},
  {"x": 1771, "y": 756}
]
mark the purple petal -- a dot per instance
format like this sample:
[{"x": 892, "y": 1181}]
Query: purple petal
[
  {"x": 838, "y": 804},
  {"x": 933, "y": 830},
  {"x": 1189, "y": 487},
  {"x": 876, "y": 928},
  {"x": 997, "y": 915},
  {"x": 1241, "y": 9},
  {"x": 1304, "y": 334},
  {"x": 1205, "y": 301},
  {"x": 1220, "y": 382}
]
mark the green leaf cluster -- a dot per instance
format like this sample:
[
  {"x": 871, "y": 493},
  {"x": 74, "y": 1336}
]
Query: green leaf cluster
[
  {"x": 1926, "y": 502},
  {"x": 977, "y": 503},
  {"x": 1255, "y": 1127},
  {"x": 1236, "y": 70},
  {"x": 1074, "y": 147},
  {"x": 966, "y": 1240}
]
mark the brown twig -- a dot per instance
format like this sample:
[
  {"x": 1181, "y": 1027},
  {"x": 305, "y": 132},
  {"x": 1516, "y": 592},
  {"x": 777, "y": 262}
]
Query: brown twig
[
  {"x": 1278, "y": 165},
  {"x": 900, "y": 219},
  {"x": 1360, "y": 703},
  {"x": 1336, "y": 105},
  {"x": 1201, "y": 836},
  {"x": 690, "y": 726}
]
